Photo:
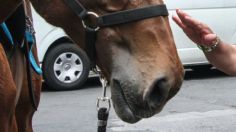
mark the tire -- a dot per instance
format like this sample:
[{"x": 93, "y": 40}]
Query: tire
[{"x": 65, "y": 67}]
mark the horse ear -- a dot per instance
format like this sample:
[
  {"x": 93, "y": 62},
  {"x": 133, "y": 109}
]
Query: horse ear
[{"x": 113, "y": 5}]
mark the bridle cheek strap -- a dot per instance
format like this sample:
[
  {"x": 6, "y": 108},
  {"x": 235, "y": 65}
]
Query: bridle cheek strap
[{"x": 76, "y": 7}]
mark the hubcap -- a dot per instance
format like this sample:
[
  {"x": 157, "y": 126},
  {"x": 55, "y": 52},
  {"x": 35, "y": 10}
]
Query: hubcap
[{"x": 68, "y": 67}]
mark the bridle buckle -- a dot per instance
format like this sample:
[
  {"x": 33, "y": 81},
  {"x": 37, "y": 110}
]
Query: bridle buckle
[{"x": 90, "y": 28}]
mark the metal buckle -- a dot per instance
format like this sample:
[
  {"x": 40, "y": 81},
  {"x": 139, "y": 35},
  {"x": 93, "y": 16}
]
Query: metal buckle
[
  {"x": 104, "y": 98},
  {"x": 29, "y": 25},
  {"x": 91, "y": 28}
]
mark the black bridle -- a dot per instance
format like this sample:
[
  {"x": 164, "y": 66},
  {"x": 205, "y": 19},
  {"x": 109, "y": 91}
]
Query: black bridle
[{"x": 111, "y": 19}]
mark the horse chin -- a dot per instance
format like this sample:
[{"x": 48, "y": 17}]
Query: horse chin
[{"x": 121, "y": 105}]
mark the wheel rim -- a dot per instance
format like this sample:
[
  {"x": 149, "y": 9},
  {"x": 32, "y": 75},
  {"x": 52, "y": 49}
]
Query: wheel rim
[{"x": 68, "y": 67}]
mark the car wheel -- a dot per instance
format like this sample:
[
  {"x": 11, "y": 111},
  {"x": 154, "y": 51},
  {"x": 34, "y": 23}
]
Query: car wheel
[{"x": 65, "y": 67}]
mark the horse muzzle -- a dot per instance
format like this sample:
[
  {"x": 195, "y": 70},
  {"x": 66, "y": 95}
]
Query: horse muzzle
[{"x": 131, "y": 105}]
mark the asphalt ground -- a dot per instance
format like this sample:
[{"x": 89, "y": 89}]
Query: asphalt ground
[{"x": 205, "y": 103}]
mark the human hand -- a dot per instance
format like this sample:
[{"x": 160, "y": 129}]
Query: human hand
[{"x": 197, "y": 31}]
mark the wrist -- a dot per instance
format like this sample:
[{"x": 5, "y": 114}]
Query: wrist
[{"x": 212, "y": 47}]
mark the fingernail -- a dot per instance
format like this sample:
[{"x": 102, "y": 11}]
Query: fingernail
[{"x": 187, "y": 17}]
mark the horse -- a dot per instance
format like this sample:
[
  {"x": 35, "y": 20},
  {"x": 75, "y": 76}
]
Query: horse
[
  {"x": 16, "y": 111},
  {"x": 138, "y": 58}
]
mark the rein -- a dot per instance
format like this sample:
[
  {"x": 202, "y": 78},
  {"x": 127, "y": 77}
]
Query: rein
[
  {"x": 103, "y": 105},
  {"x": 111, "y": 19},
  {"x": 28, "y": 43}
]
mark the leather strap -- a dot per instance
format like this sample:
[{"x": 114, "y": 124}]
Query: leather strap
[
  {"x": 90, "y": 40},
  {"x": 132, "y": 15},
  {"x": 76, "y": 7},
  {"x": 102, "y": 119},
  {"x": 5, "y": 31},
  {"x": 26, "y": 49},
  {"x": 120, "y": 17}
]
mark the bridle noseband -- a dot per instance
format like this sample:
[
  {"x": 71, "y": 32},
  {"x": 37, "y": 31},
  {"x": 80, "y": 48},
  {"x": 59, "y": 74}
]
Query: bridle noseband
[{"x": 111, "y": 19}]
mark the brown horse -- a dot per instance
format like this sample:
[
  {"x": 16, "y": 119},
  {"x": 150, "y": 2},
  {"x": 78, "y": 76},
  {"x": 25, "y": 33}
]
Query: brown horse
[
  {"x": 16, "y": 110},
  {"x": 139, "y": 59}
]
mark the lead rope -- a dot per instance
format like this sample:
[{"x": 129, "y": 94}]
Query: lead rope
[
  {"x": 103, "y": 111},
  {"x": 30, "y": 30}
]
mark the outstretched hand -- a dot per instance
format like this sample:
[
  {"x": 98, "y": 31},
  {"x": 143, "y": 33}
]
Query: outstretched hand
[{"x": 198, "y": 32}]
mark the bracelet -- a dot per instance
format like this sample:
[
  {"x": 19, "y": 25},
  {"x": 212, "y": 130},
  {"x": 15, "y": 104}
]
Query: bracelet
[{"x": 207, "y": 49}]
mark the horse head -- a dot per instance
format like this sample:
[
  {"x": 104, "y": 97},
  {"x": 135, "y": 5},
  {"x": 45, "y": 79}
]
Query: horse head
[{"x": 139, "y": 58}]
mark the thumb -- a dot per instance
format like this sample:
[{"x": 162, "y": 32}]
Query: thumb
[{"x": 209, "y": 39}]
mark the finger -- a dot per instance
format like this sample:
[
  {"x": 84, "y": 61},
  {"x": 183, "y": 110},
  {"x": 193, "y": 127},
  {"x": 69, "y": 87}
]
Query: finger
[
  {"x": 187, "y": 19},
  {"x": 182, "y": 15},
  {"x": 178, "y": 22},
  {"x": 206, "y": 29},
  {"x": 181, "y": 12},
  {"x": 209, "y": 38},
  {"x": 191, "y": 22}
]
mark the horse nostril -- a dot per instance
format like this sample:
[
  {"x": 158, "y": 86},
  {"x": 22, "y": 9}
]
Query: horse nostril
[{"x": 157, "y": 93}]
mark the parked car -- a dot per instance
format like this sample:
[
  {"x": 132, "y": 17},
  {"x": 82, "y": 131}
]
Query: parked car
[{"x": 65, "y": 66}]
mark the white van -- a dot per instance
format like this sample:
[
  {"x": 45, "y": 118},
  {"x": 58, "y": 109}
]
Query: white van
[{"x": 56, "y": 48}]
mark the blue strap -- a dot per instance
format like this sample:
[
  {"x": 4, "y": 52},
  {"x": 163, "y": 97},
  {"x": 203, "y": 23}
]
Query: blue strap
[
  {"x": 31, "y": 41},
  {"x": 29, "y": 37},
  {"x": 33, "y": 63},
  {"x": 7, "y": 32}
]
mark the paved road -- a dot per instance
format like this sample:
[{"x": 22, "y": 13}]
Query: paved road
[{"x": 206, "y": 103}]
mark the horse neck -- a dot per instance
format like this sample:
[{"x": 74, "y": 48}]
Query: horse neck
[{"x": 17, "y": 65}]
